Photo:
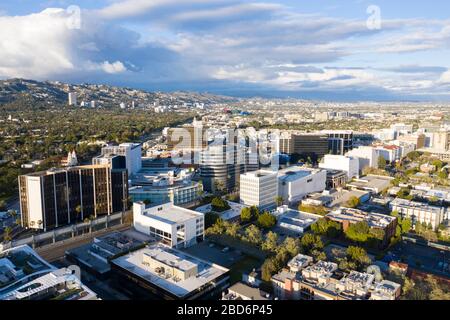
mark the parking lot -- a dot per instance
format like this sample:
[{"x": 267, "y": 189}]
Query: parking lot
[{"x": 422, "y": 257}]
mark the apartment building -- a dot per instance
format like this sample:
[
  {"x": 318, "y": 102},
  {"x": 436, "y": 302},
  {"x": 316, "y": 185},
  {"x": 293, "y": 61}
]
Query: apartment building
[{"x": 419, "y": 212}]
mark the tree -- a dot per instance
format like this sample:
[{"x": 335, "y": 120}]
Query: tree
[
  {"x": 246, "y": 214},
  {"x": 358, "y": 256},
  {"x": 249, "y": 214},
  {"x": 271, "y": 242},
  {"x": 268, "y": 269},
  {"x": 219, "y": 205},
  {"x": 353, "y": 202},
  {"x": 7, "y": 234},
  {"x": 279, "y": 200},
  {"x": 381, "y": 163},
  {"x": 210, "y": 219},
  {"x": 267, "y": 220},
  {"x": 358, "y": 232},
  {"x": 414, "y": 155},
  {"x": 310, "y": 242},
  {"x": 253, "y": 234},
  {"x": 325, "y": 227},
  {"x": 292, "y": 246},
  {"x": 232, "y": 229}
]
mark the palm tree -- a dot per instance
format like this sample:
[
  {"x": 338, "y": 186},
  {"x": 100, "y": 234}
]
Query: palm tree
[
  {"x": 279, "y": 200},
  {"x": 78, "y": 211}
]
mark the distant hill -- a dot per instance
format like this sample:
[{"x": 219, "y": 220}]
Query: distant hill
[{"x": 56, "y": 93}]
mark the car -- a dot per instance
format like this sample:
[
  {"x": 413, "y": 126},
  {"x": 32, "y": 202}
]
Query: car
[{"x": 226, "y": 249}]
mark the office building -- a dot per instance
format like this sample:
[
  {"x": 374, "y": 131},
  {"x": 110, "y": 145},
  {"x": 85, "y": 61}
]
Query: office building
[
  {"x": 72, "y": 98},
  {"x": 221, "y": 166},
  {"x": 344, "y": 163},
  {"x": 419, "y": 212},
  {"x": 131, "y": 151},
  {"x": 367, "y": 156},
  {"x": 294, "y": 183},
  {"x": 58, "y": 197},
  {"x": 172, "y": 225},
  {"x": 310, "y": 145},
  {"x": 162, "y": 185},
  {"x": 160, "y": 272},
  {"x": 259, "y": 188},
  {"x": 339, "y": 141}
]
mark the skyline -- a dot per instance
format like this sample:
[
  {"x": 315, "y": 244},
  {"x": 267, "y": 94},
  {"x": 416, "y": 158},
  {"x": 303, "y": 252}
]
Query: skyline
[{"x": 320, "y": 50}]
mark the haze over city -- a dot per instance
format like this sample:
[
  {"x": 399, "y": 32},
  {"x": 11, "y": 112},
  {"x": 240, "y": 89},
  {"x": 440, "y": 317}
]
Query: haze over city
[{"x": 350, "y": 50}]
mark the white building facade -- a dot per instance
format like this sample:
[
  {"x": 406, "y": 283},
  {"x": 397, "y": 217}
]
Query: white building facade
[
  {"x": 259, "y": 188},
  {"x": 367, "y": 156},
  {"x": 294, "y": 183},
  {"x": 174, "y": 226},
  {"x": 344, "y": 163}
]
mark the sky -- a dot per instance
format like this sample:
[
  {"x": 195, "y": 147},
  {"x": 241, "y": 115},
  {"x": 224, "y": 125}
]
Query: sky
[{"x": 328, "y": 50}]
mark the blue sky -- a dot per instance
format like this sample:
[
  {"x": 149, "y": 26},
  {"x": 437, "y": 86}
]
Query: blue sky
[{"x": 320, "y": 49}]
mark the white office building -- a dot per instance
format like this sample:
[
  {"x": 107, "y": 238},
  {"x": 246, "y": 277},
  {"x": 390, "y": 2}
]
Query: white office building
[
  {"x": 344, "y": 163},
  {"x": 259, "y": 188},
  {"x": 174, "y": 226},
  {"x": 72, "y": 98},
  {"x": 295, "y": 183},
  {"x": 367, "y": 156}
]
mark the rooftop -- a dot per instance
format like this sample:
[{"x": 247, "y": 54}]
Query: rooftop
[
  {"x": 295, "y": 172},
  {"x": 169, "y": 213},
  {"x": 373, "y": 219},
  {"x": 206, "y": 271},
  {"x": 241, "y": 291}
]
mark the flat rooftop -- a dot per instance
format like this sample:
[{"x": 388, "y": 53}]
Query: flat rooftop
[
  {"x": 373, "y": 219},
  {"x": 371, "y": 182},
  {"x": 296, "y": 172},
  {"x": 260, "y": 173},
  {"x": 171, "y": 214},
  {"x": 207, "y": 272}
]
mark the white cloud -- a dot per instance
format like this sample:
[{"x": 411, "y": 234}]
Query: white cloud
[{"x": 116, "y": 67}]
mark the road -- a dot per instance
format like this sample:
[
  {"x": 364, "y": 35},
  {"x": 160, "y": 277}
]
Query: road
[{"x": 57, "y": 251}]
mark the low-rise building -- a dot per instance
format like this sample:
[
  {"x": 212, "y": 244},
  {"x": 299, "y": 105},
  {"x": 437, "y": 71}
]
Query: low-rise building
[
  {"x": 160, "y": 272},
  {"x": 336, "y": 179},
  {"x": 293, "y": 221},
  {"x": 386, "y": 290},
  {"x": 174, "y": 226},
  {"x": 294, "y": 183},
  {"x": 60, "y": 284},
  {"x": 372, "y": 183},
  {"x": 347, "y": 216},
  {"x": 242, "y": 291},
  {"x": 419, "y": 212},
  {"x": 367, "y": 156}
]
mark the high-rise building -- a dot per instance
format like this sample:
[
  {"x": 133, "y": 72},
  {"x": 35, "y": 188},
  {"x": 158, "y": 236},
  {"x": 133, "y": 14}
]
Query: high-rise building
[
  {"x": 339, "y": 141},
  {"x": 58, "y": 197},
  {"x": 218, "y": 166},
  {"x": 72, "y": 98},
  {"x": 259, "y": 188},
  {"x": 307, "y": 145}
]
